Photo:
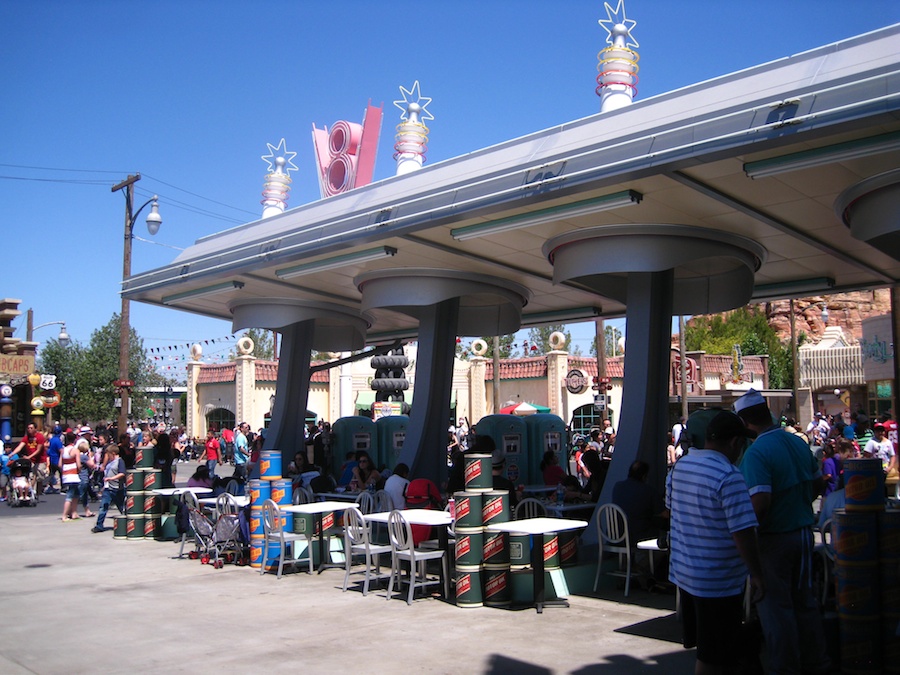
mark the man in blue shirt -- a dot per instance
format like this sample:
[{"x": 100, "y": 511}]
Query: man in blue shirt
[
  {"x": 54, "y": 448},
  {"x": 241, "y": 451},
  {"x": 784, "y": 478}
]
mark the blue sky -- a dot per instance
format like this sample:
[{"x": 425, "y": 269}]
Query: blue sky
[{"x": 188, "y": 93}]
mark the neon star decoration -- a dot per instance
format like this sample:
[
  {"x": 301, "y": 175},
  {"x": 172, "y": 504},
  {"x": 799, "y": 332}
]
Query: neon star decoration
[
  {"x": 412, "y": 134},
  {"x": 615, "y": 22},
  {"x": 413, "y": 96},
  {"x": 617, "y": 64},
  {"x": 277, "y": 187},
  {"x": 276, "y": 151}
]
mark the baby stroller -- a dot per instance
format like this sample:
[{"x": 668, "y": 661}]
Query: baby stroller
[
  {"x": 217, "y": 541},
  {"x": 23, "y": 468}
]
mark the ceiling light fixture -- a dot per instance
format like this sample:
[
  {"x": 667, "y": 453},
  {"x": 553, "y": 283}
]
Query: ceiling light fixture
[
  {"x": 582, "y": 208},
  {"x": 830, "y": 154},
  {"x": 203, "y": 292},
  {"x": 795, "y": 288},
  {"x": 366, "y": 255}
]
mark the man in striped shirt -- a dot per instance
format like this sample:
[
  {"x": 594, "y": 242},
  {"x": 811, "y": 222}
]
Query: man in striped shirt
[{"x": 713, "y": 543}]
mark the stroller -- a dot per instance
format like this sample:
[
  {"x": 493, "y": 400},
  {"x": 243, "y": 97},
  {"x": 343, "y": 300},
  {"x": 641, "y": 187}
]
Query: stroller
[
  {"x": 217, "y": 541},
  {"x": 18, "y": 471}
]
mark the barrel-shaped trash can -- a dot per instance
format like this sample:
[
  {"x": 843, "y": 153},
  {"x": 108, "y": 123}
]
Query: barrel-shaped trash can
[
  {"x": 477, "y": 473},
  {"x": 469, "y": 591}
]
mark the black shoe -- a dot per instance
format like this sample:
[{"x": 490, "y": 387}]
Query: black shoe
[{"x": 96, "y": 529}]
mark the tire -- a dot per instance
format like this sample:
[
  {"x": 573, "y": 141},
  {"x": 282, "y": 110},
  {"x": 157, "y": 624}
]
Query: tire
[
  {"x": 390, "y": 385},
  {"x": 389, "y": 361}
]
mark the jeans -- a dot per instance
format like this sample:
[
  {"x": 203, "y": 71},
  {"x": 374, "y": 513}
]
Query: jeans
[
  {"x": 211, "y": 465},
  {"x": 110, "y": 496},
  {"x": 240, "y": 471},
  {"x": 84, "y": 492},
  {"x": 789, "y": 613}
]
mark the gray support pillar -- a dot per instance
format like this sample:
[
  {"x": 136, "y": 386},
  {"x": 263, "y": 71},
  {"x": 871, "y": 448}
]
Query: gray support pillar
[
  {"x": 286, "y": 431},
  {"x": 425, "y": 448},
  {"x": 641, "y": 431}
]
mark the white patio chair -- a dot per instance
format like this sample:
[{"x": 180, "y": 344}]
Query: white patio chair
[
  {"x": 530, "y": 508},
  {"x": 383, "y": 502},
  {"x": 612, "y": 530},
  {"x": 403, "y": 550},
  {"x": 303, "y": 495},
  {"x": 357, "y": 542},
  {"x": 274, "y": 534},
  {"x": 365, "y": 502},
  {"x": 225, "y": 505}
]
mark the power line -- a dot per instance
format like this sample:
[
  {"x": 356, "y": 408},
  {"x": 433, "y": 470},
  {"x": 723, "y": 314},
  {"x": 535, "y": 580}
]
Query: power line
[
  {"x": 50, "y": 168},
  {"x": 194, "y": 194},
  {"x": 71, "y": 181}
]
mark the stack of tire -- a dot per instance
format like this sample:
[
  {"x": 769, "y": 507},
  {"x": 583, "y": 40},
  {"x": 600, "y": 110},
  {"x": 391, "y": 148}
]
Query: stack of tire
[{"x": 390, "y": 378}]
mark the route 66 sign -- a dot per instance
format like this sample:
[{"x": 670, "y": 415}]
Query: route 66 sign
[{"x": 48, "y": 382}]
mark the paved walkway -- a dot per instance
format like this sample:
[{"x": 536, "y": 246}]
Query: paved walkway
[{"x": 77, "y": 602}]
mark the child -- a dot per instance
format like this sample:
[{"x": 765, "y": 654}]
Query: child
[
  {"x": 4, "y": 472},
  {"x": 20, "y": 483}
]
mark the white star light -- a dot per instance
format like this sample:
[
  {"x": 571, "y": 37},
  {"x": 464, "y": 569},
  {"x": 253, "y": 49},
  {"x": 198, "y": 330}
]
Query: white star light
[
  {"x": 615, "y": 17},
  {"x": 280, "y": 151},
  {"x": 411, "y": 96}
]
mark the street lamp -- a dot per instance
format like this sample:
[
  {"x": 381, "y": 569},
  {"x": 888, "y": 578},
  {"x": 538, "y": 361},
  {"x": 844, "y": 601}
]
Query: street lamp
[
  {"x": 154, "y": 220},
  {"x": 63, "y": 337}
]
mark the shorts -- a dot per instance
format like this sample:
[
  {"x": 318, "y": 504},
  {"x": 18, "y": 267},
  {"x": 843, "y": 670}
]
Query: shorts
[
  {"x": 713, "y": 625},
  {"x": 41, "y": 472},
  {"x": 71, "y": 491},
  {"x": 4, "y": 480}
]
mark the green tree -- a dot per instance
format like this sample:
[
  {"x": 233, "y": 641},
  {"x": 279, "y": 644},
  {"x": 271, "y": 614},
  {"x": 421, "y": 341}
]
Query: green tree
[
  {"x": 64, "y": 362},
  {"x": 749, "y": 328},
  {"x": 539, "y": 336},
  {"x": 611, "y": 336},
  {"x": 99, "y": 368}
]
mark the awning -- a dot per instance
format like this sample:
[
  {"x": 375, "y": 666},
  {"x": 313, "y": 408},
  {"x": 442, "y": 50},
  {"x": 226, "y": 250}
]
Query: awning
[{"x": 365, "y": 398}]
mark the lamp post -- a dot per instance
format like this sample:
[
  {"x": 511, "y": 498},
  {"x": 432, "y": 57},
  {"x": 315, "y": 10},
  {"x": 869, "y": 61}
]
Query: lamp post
[
  {"x": 63, "y": 337},
  {"x": 154, "y": 220},
  {"x": 63, "y": 340}
]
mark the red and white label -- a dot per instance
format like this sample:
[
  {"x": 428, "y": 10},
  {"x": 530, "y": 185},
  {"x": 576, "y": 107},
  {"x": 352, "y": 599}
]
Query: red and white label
[
  {"x": 495, "y": 585},
  {"x": 569, "y": 549},
  {"x": 463, "y": 584},
  {"x": 492, "y": 508},
  {"x": 551, "y": 548},
  {"x": 463, "y": 546},
  {"x": 493, "y": 546},
  {"x": 463, "y": 507},
  {"x": 473, "y": 471}
]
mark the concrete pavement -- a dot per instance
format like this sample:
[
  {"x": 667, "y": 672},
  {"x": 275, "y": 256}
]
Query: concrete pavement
[{"x": 78, "y": 602}]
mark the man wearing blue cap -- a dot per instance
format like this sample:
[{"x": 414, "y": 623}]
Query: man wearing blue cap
[
  {"x": 784, "y": 478},
  {"x": 54, "y": 448}
]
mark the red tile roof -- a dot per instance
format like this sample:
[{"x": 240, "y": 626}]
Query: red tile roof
[
  {"x": 266, "y": 371},
  {"x": 213, "y": 373},
  {"x": 535, "y": 367},
  {"x": 713, "y": 363}
]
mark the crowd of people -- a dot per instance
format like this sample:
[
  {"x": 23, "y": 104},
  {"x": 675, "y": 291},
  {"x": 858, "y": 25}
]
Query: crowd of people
[{"x": 730, "y": 510}]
